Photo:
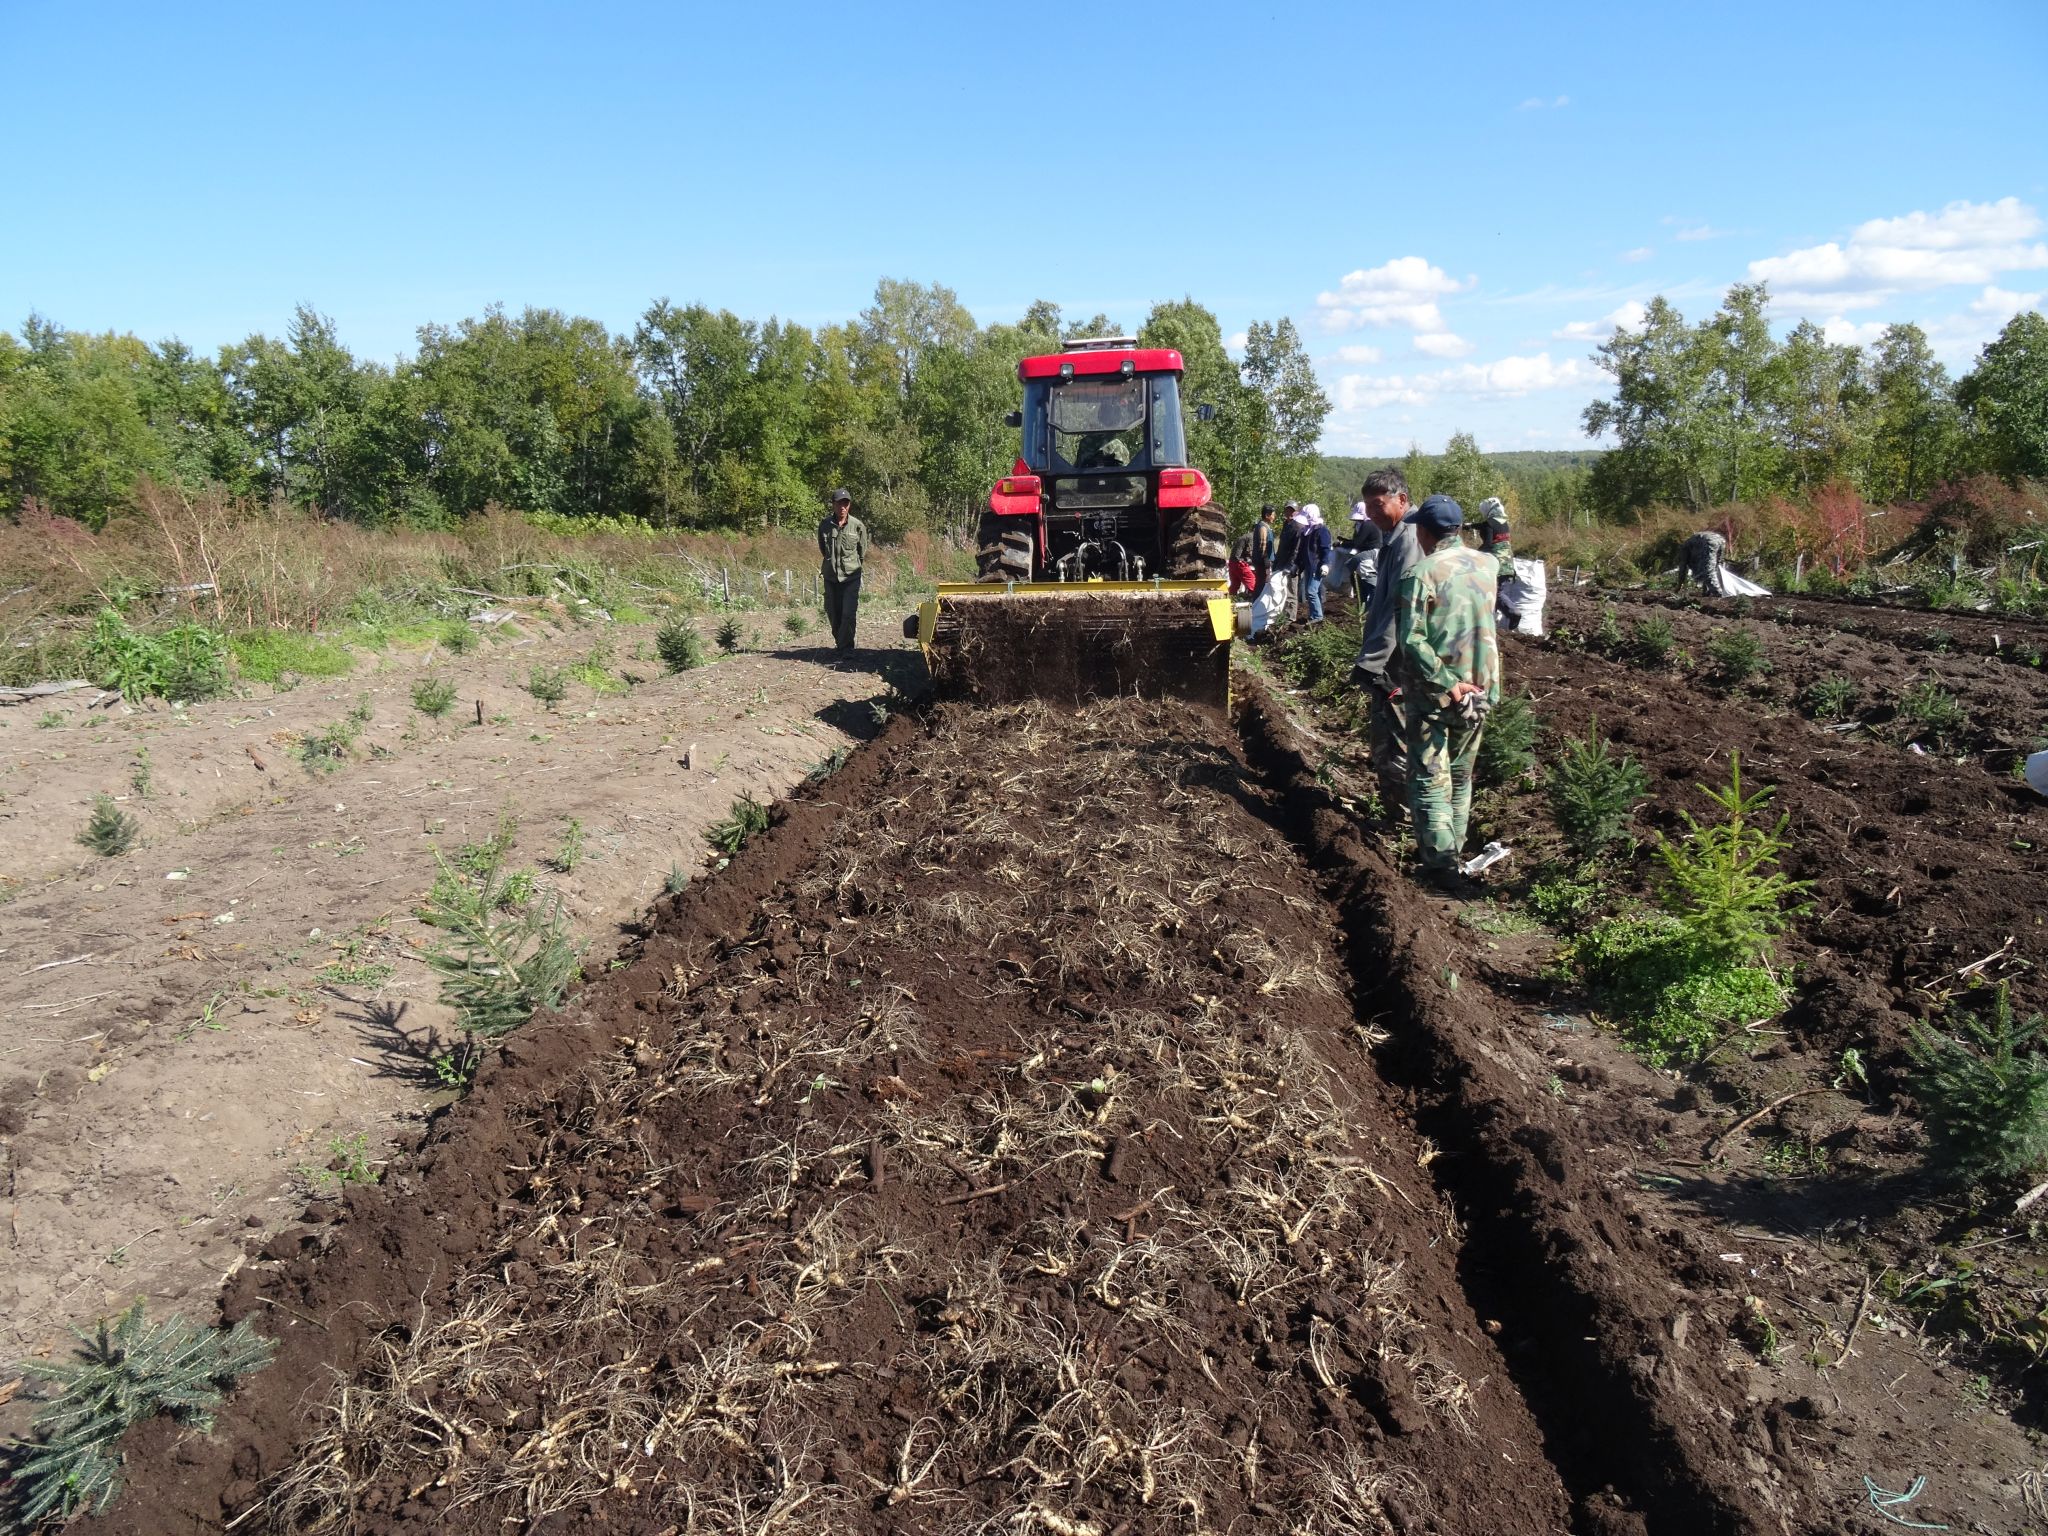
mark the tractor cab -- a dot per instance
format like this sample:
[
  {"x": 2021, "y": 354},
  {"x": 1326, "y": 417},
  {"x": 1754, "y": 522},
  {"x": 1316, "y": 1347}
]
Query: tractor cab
[{"x": 1102, "y": 489}]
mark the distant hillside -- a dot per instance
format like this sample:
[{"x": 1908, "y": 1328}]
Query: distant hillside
[{"x": 1520, "y": 466}]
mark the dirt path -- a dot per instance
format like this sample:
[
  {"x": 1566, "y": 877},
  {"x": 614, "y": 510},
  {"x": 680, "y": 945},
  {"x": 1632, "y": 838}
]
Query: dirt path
[{"x": 200, "y": 1027}]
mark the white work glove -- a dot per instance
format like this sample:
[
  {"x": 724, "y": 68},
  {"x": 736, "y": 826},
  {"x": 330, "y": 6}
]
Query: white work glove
[{"x": 1325, "y": 571}]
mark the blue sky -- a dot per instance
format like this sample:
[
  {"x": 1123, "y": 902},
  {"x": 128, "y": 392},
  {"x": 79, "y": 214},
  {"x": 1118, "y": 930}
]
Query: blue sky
[{"x": 1452, "y": 202}]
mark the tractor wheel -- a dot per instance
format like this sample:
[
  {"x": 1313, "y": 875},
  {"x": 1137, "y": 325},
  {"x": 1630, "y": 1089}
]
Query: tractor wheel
[
  {"x": 1201, "y": 547},
  {"x": 1004, "y": 552}
]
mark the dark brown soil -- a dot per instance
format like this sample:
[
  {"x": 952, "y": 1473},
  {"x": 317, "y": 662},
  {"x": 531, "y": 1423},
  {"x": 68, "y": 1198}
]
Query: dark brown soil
[
  {"x": 1062, "y": 1120},
  {"x": 1055, "y": 646}
]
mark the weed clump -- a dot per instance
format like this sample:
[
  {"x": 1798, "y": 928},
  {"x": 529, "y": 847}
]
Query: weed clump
[
  {"x": 1934, "y": 710},
  {"x": 1830, "y": 697},
  {"x": 109, "y": 831},
  {"x": 1593, "y": 792},
  {"x": 570, "y": 854},
  {"x": 127, "y": 1370},
  {"x": 433, "y": 696},
  {"x": 1507, "y": 750},
  {"x": 1983, "y": 1090},
  {"x": 678, "y": 646},
  {"x": 184, "y": 663},
  {"x": 326, "y": 749},
  {"x": 1607, "y": 637}
]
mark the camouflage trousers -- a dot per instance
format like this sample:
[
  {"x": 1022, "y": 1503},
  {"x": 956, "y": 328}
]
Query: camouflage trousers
[{"x": 1443, "y": 746}]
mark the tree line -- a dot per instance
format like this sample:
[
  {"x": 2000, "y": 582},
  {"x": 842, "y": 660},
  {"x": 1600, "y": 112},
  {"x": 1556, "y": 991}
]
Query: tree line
[
  {"x": 697, "y": 418},
  {"x": 1724, "y": 411}
]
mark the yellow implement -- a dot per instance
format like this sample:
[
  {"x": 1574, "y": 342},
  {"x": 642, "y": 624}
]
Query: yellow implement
[{"x": 1067, "y": 641}]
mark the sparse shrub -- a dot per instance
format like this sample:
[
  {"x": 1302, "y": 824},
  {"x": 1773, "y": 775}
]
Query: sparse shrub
[
  {"x": 51, "y": 720},
  {"x": 127, "y": 1370},
  {"x": 109, "y": 831},
  {"x": 678, "y": 646},
  {"x": 1829, "y": 698},
  {"x": 433, "y": 696},
  {"x": 1983, "y": 1090},
  {"x": 748, "y": 818},
  {"x": 457, "y": 638},
  {"x": 1934, "y": 710},
  {"x": 796, "y": 623},
  {"x": 729, "y": 635},
  {"x": 1651, "y": 638},
  {"x": 570, "y": 854},
  {"x": 516, "y": 890},
  {"x": 1607, "y": 637},
  {"x": 326, "y": 749},
  {"x": 183, "y": 663},
  {"x": 141, "y": 776},
  {"x": 1507, "y": 750},
  {"x": 1940, "y": 640},
  {"x": 550, "y": 685},
  {"x": 1737, "y": 656},
  {"x": 1593, "y": 792},
  {"x": 1567, "y": 897}
]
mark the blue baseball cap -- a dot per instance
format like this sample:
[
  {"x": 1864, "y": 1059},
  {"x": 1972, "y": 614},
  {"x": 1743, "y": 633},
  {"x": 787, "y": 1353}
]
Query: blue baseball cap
[{"x": 1439, "y": 514}]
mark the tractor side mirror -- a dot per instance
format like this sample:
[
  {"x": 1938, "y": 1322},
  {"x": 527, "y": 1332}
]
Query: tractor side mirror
[
  {"x": 1013, "y": 418},
  {"x": 1205, "y": 412}
]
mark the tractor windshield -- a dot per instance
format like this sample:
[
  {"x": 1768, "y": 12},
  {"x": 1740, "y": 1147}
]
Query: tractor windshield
[{"x": 1103, "y": 424}]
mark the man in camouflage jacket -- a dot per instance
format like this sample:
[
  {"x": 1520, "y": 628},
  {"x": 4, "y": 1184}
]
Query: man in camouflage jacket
[{"x": 1448, "y": 662}]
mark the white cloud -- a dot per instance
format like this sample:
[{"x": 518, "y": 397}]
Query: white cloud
[
  {"x": 1640, "y": 253},
  {"x": 1964, "y": 243},
  {"x": 1627, "y": 317},
  {"x": 1851, "y": 333},
  {"x": 1443, "y": 344},
  {"x": 1402, "y": 292},
  {"x": 1538, "y": 103},
  {"x": 1358, "y": 354},
  {"x": 2003, "y": 303},
  {"x": 1238, "y": 342},
  {"x": 1505, "y": 378},
  {"x": 1701, "y": 232}
]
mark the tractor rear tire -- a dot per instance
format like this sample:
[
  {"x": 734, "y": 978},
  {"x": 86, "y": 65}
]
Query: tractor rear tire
[
  {"x": 1201, "y": 547},
  {"x": 1004, "y": 550}
]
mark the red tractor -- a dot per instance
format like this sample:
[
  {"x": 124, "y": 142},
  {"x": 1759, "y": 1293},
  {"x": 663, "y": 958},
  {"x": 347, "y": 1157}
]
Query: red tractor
[
  {"x": 1102, "y": 569},
  {"x": 1102, "y": 490}
]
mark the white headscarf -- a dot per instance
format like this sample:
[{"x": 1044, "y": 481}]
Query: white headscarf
[{"x": 1312, "y": 514}]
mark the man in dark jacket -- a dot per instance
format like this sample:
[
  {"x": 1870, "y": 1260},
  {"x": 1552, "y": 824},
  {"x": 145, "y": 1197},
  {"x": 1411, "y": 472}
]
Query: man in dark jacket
[
  {"x": 843, "y": 550},
  {"x": 1386, "y": 504}
]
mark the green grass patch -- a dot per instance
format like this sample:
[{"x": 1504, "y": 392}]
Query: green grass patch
[
  {"x": 266, "y": 655},
  {"x": 1673, "y": 993}
]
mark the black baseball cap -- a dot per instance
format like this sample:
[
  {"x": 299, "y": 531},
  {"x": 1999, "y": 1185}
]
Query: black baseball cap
[
  {"x": 842, "y": 494},
  {"x": 1439, "y": 514}
]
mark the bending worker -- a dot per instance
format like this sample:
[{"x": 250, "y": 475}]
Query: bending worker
[{"x": 1449, "y": 666}]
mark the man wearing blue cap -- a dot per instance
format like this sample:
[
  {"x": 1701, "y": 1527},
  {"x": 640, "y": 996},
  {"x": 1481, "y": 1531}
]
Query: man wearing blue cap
[{"x": 1448, "y": 662}]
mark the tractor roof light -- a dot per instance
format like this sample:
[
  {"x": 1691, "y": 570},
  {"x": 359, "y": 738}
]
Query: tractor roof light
[
  {"x": 1066, "y": 371},
  {"x": 1130, "y": 367}
]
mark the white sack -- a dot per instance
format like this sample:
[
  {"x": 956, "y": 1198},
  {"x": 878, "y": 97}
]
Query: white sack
[
  {"x": 1271, "y": 605},
  {"x": 1522, "y": 598}
]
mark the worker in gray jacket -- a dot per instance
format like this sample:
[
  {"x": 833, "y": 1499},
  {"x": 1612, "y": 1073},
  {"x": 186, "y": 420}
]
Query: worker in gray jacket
[
  {"x": 843, "y": 549},
  {"x": 1385, "y": 495}
]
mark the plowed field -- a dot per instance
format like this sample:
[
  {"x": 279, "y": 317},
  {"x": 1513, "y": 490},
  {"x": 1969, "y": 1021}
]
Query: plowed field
[{"x": 1070, "y": 1121}]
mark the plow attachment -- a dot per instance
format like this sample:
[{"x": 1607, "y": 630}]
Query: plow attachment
[{"x": 1068, "y": 641}]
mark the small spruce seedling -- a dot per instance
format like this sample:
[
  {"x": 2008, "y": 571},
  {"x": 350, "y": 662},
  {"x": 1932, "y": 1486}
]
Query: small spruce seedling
[{"x": 109, "y": 831}]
